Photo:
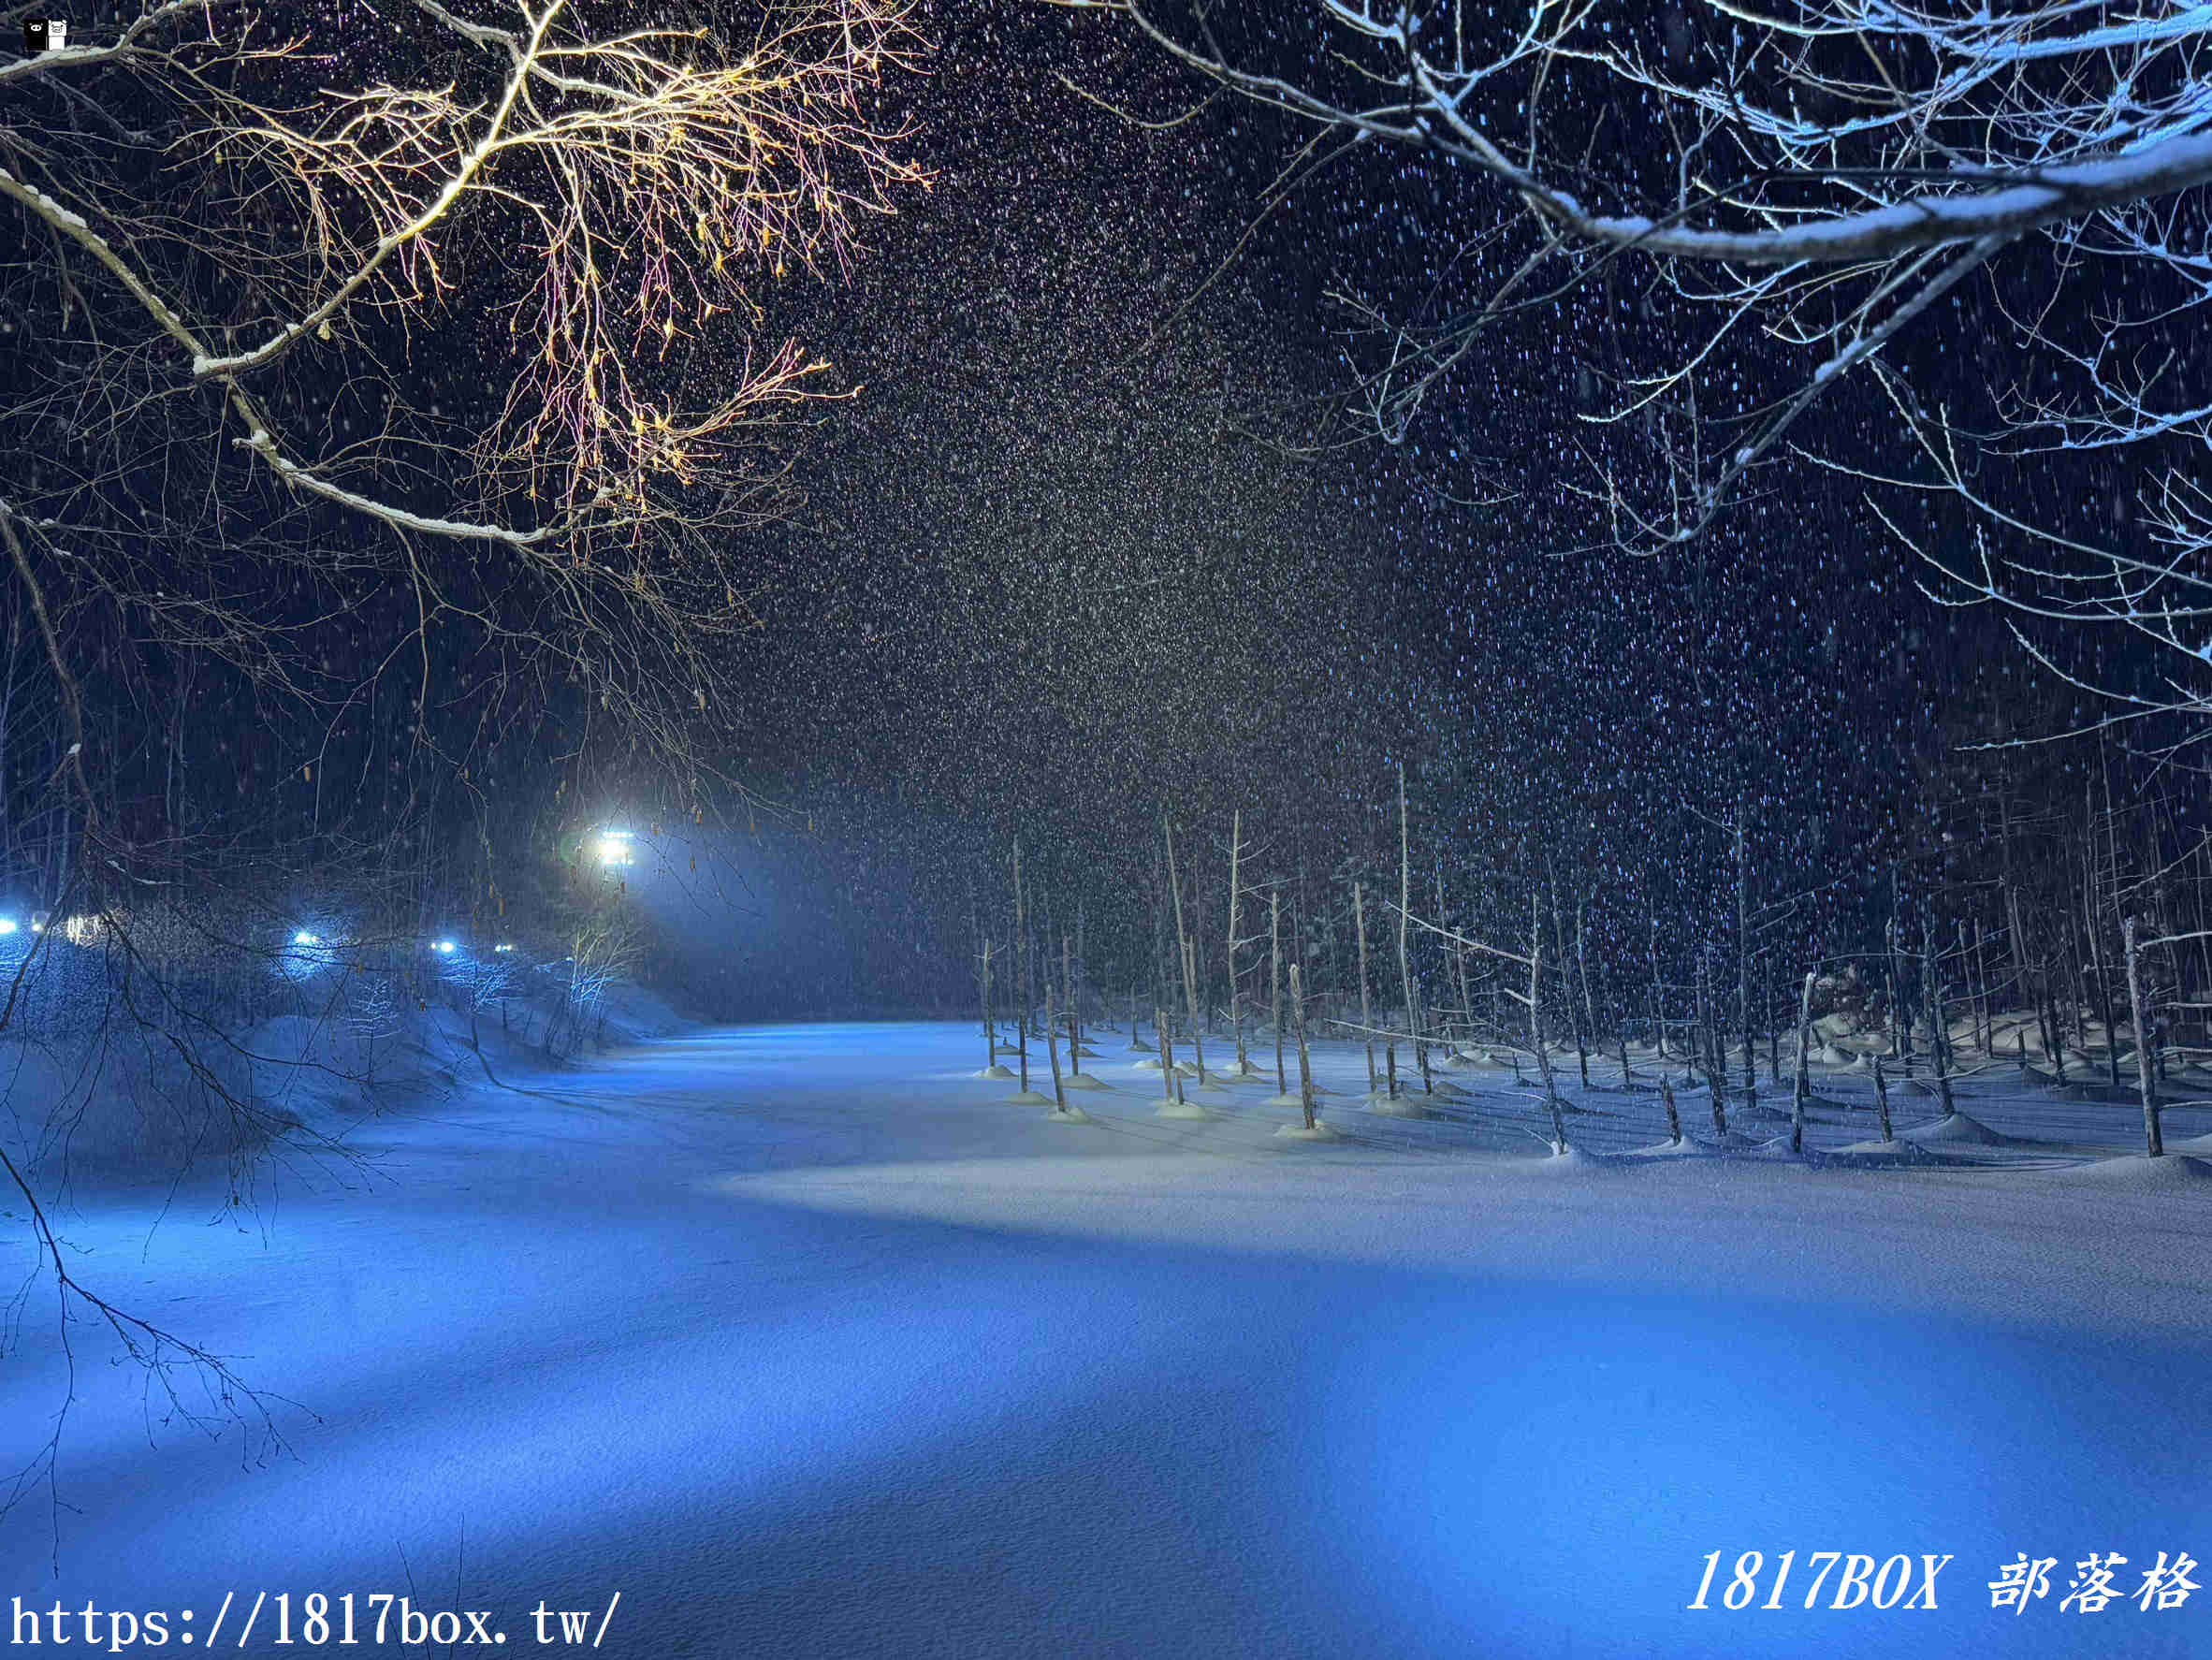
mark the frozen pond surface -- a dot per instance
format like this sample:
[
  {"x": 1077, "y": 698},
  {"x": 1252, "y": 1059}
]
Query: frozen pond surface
[{"x": 807, "y": 1343}]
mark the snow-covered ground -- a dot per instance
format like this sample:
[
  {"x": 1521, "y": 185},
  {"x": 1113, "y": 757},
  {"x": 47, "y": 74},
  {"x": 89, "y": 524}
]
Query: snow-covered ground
[{"x": 807, "y": 1343}]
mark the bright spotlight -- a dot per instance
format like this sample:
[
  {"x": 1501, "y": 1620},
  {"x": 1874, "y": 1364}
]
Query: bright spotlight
[
  {"x": 443, "y": 948},
  {"x": 614, "y": 848},
  {"x": 503, "y": 948},
  {"x": 304, "y": 937},
  {"x": 7, "y": 924}
]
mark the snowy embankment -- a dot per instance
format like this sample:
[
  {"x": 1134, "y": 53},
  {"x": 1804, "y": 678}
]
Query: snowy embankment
[{"x": 806, "y": 1340}]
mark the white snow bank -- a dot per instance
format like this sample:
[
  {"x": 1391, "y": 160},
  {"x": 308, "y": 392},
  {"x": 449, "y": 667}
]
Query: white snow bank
[
  {"x": 1183, "y": 1109},
  {"x": 2174, "y": 1173},
  {"x": 1957, "y": 1129}
]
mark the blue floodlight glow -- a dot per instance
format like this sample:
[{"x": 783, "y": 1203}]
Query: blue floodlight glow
[
  {"x": 443, "y": 948},
  {"x": 503, "y": 948},
  {"x": 7, "y": 924},
  {"x": 304, "y": 937},
  {"x": 614, "y": 848}
]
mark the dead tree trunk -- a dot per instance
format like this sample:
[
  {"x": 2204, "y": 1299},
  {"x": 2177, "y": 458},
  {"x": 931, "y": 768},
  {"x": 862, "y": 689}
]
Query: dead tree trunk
[
  {"x": 1715, "y": 1063},
  {"x": 2103, "y": 970},
  {"x": 1582, "y": 973},
  {"x": 1901, "y": 1006},
  {"x": 1236, "y": 1004},
  {"x": 1881, "y": 1099},
  {"x": 1021, "y": 974},
  {"x": 1467, "y": 1000},
  {"x": 1274, "y": 986},
  {"x": 1743, "y": 997},
  {"x": 1366, "y": 1010},
  {"x": 1075, "y": 1019},
  {"x": 1305, "y": 1069},
  {"x": 1939, "y": 1026},
  {"x": 1413, "y": 1018},
  {"x": 1182, "y": 942},
  {"x": 1674, "y": 1120},
  {"x": 1773, "y": 1031},
  {"x": 990, "y": 1031},
  {"x": 1988, "y": 992},
  {"x": 1052, "y": 1043},
  {"x": 2154, "y": 1142},
  {"x": 1559, "y": 944},
  {"x": 1804, "y": 1059},
  {"x": 1535, "y": 1023},
  {"x": 1197, "y": 1041}
]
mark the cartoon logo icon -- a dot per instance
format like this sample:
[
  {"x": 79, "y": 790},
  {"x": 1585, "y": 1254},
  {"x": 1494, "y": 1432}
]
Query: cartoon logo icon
[{"x": 44, "y": 34}]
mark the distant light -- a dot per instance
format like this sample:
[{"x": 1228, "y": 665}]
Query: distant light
[
  {"x": 443, "y": 947},
  {"x": 7, "y": 924},
  {"x": 304, "y": 937},
  {"x": 614, "y": 848},
  {"x": 503, "y": 948}
]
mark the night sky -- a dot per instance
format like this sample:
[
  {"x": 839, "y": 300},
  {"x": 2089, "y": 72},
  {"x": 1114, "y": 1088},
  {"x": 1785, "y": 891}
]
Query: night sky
[
  {"x": 1090, "y": 538},
  {"x": 1058, "y": 568}
]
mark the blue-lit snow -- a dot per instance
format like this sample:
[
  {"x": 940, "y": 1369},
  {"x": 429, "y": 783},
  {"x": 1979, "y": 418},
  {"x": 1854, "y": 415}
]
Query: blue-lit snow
[{"x": 808, "y": 1343}]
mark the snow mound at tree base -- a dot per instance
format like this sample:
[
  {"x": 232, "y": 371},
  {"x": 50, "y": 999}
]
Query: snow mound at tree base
[
  {"x": 1084, "y": 1081},
  {"x": 2142, "y": 1172},
  {"x": 1290, "y": 1098},
  {"x": 994, "y": 1071},
  {"x": 1149, "y": 1064},
  {"x": 1137, "y": 1047},
  {"x": 1028, "y": 1097},
  {"x": 1734, "y": 1142},
  {"x": 1298, "y": 1132},
  {"x": 1957, "y": 1129},
  {"x": 1875, "y": 1154},
  {"x": 1181, "y": 1110},
  {"x": 1072, "y": 1115},
  {"x": 1575, "y": 1162},
  {"x": 1403, "y": 1106}
]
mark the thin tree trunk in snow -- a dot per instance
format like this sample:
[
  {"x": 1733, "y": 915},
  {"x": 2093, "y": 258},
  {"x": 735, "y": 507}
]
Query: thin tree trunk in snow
[
  {"x": 1274, "y": 985},
  {"x": 2153, "y": 1140},
  {"x": 1305, "y": 1069},
  {"x": 1535, "y": 1023},
  {"x": 1413, "y": 1022},
  {"x": 990, "y": 1031},
  {"x": 1804, "y": 1058},
  {"x": 1939, "y": 1026},
  {"x": 1366, "y": 1010}
]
